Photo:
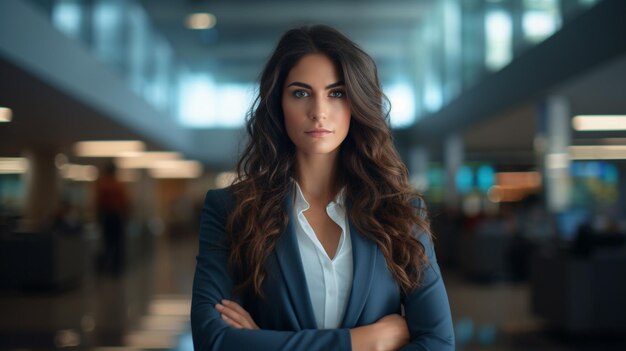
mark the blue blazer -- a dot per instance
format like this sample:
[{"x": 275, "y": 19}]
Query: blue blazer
[{"x": 285, "y": 314}]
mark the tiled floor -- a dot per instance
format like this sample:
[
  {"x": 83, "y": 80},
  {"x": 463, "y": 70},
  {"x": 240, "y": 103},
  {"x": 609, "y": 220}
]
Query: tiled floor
[{"x": 148, "y": 306}]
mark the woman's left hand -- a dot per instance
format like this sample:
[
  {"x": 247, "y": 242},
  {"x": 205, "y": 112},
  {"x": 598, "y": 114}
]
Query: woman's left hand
[{"x": 235, "y": 316}]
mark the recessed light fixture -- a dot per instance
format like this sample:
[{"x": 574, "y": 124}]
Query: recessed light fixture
[
  {"x": 107, "y": 148},
  {"x": 6, "y": 115},
  {"x": 79, "y": 173},
  {"x": 145, "y": 159},
  {"x": 597, "y": 152},
  {"x": 200, "y": 21},
  {"x": 176, "y": 169},
  {"x": 13, "y": 165},
  {"x": 585, "y": 123}
]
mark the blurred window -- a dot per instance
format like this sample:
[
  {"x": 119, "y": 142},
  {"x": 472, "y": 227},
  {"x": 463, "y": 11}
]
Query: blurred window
[
  {"x": 67, "y": 16},
  {"x": 108, "y": 33},
  {"x": 402, "y": 98},
  {"x": 498, "y": 39},
  {"x": 139, "y": 36},
  {"x": 158, "y": 82},
  {"x": 541, "y": 19},
  {"x": 433, "y": 97},
  {"x": 205, "y": 104}
]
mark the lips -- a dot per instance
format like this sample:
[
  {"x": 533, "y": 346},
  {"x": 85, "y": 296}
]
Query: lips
[{"x": 318, "y": 132}]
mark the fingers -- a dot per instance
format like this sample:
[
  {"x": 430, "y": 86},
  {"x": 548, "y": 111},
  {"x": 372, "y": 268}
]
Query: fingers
[
  {"x": 235, "y": 316},
  {"x": 393, "y": 332},
  {"x": 393, "y": 319},
  {"x": 231, "y": 322}
]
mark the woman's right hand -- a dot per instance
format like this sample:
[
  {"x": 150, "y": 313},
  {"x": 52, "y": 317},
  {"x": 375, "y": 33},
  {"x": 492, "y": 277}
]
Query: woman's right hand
[
  {"x": 388, "y": 333},
  {"x": 235, "y": 316}
]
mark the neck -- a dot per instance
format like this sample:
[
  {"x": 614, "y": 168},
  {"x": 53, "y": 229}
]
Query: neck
[{"x": 317, "y": 176}]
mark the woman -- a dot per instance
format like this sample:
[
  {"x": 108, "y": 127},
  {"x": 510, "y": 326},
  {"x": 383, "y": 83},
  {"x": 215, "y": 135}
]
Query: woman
[{"x": 320, "y": 244}]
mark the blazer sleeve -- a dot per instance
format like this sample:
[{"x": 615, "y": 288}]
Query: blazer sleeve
[
  {"x": 213, "y": 282},
  {"x": 426, "y": 309}
]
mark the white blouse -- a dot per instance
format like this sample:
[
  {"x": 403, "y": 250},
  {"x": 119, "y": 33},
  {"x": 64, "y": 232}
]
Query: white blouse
[{"x": 329, "y": 281}]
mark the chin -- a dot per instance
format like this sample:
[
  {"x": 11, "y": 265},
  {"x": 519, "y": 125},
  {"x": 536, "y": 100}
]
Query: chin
[{"x": 321, "y": 151}]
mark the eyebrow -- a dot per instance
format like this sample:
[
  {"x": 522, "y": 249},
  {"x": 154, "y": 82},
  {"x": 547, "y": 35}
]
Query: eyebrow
[{"x": 304, "y": 85}]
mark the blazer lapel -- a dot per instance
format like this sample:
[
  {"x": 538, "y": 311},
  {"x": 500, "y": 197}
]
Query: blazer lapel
[
  {"x": 290, "y": 262},
  {"x": 364, "y": 259}
]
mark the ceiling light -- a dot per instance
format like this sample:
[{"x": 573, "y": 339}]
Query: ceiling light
[
  {"x": 176, "y": 169},
  {"x": 107, "y": 148},
  {"x": 200, "y": 21},
  {"x": 13, "y": 165},
  {"x": 79, "y": 173},
  {"x": 599, "y": 122},
  {"x": 597, "y": 152},
  {"x": 146, "y": 159},
  {"x": 5, "y": 114}
]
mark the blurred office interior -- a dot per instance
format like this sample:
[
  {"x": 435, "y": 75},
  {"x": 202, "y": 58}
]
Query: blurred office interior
[{"x": 510, "y": 115}]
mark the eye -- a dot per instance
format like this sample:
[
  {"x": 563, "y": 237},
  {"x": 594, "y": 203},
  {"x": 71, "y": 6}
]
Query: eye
[
  {"x": 300, "y": 93},
  {"x": 337, "y": 94}
]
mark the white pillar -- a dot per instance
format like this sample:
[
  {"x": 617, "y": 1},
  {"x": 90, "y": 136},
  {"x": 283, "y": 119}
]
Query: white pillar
[
  {"x": 453, "y": 159},
  {"x": 556, "y": 158},
  {"x": 418, "y": 168},
  {"x": 42, "y": 188}
]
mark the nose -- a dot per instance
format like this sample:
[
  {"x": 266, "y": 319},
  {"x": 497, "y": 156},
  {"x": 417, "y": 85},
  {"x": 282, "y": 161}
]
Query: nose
[{"x": 319, "y": 109}]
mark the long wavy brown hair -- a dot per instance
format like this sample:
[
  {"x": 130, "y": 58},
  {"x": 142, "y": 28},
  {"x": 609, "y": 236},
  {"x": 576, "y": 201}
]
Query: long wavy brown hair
[{"x": 382, "y": 202}]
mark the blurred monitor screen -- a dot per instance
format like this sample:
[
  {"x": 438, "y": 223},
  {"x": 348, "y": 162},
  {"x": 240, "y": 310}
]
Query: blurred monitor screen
[{"x": 567, "y": 222}]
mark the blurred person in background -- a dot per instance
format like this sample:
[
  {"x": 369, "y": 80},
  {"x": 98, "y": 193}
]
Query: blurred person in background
[
  {"x": 321, "y": 243},
  {"x": 112, "y": 210}
]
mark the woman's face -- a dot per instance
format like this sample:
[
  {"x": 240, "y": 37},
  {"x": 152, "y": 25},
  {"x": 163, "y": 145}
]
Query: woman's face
[{"x": 315, "y": 105}]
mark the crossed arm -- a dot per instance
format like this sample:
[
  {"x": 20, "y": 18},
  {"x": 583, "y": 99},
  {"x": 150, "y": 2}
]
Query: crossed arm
[{"x": 388, "y": 333}]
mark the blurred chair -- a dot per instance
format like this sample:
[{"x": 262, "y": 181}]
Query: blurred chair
[
  {"x": 41, "y": 260},
  {"x": 580, "y": 294}
]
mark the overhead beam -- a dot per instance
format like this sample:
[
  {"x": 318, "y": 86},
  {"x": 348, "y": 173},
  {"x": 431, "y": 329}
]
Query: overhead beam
[{"x": 29, "y": 41}]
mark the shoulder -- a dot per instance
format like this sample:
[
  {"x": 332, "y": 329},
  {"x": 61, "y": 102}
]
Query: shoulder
[
  {"x": 219, "y": 200},
  {"x": 218, "y": 204},
  {"x": 224, "y": 195}
]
